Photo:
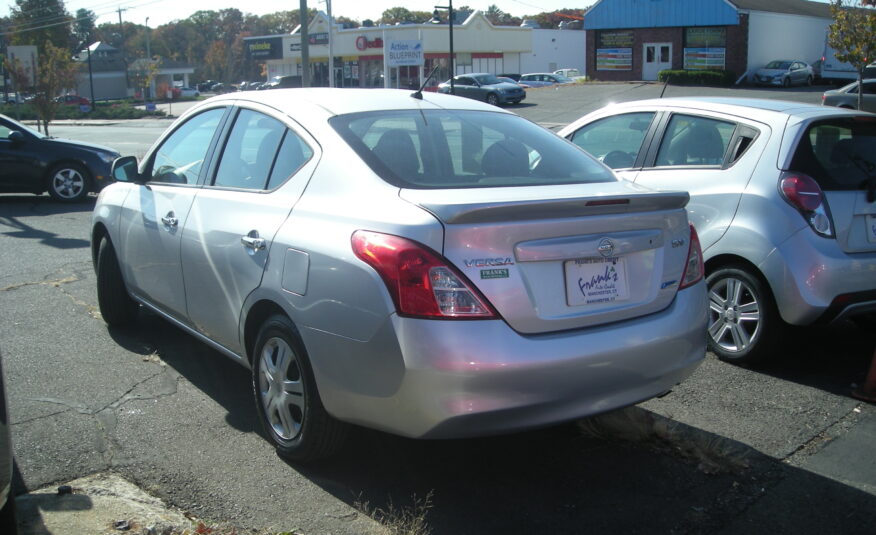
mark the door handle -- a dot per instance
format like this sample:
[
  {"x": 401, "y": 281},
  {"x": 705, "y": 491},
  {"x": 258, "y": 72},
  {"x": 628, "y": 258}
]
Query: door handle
[
  {"x": 170, "y": 220},
  {"x": 252, "y": 241}
]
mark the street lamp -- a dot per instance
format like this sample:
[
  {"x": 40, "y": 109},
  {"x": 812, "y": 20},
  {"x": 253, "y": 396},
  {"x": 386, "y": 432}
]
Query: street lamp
[
  {"x": 90, "y": 75},
  {"x": 436, "y": 19}
]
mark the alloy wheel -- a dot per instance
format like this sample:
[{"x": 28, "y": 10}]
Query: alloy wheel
[
  {"x": 734, "y": 315},
  {"x": 281, "y": 388},
  {"x": 68, "y": 183}
]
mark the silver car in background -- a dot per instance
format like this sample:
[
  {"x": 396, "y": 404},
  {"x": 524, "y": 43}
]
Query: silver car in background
[
  {"x": 422, "y": 264},
  {"x": 782, "y": 195},
  {"x": 847, "y": 96},
  {"x": 785, "y": 73}
]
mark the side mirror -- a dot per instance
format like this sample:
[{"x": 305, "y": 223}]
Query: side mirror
[
  {"x": 15, "y": 136},
  {"x": 125, "y": 169}
]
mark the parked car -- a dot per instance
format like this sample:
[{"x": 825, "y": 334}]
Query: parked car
[
  {"x": 205, "y": 86},
  {"x": 781, "y": 195},
  {"x": 423, "y": 264},
  {"x": 568, "y": 73},
  {"x": 512, "y": 81},
  {"x": 73, "y": 100},
  {"x": 785, "y": 73},
  {"x": 31, "y": 162},
  {"x": 8, "y": 522},
  {"x": 486, "y": 87},
  {"x": 847, "y": 97},
  {"x": 513, "y": 76},
  {"x": 545, "y": 79},
  {"x": 189, "y": 92}
]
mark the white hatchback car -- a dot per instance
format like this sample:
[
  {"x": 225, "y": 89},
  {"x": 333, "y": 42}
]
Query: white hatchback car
[
  {"x": 419, "y": 263},
  {"x": 782, "y": 195}
]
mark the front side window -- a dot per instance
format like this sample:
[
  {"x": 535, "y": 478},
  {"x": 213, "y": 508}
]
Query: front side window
[
  {"x": 180, "y": 157},
  {"x": 615, "y": 140},
  {"x": 694, "y": 141},
  {"x": 464, "y": 149}
]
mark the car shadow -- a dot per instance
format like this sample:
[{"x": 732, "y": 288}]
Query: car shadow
[{"x": 13, "y": 209}]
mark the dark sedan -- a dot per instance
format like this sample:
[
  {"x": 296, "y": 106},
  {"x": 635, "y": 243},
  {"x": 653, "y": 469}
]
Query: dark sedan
[
  {"x": 486, "y": 87},
  {"x": 31, "y": 162}
]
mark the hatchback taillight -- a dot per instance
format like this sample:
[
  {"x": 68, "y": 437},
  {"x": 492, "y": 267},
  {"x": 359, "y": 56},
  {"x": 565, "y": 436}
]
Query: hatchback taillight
[
  {"x": 421, "y": 282},
  {"x": 803, "y": 193},
  {"x": 694, "y": 268}
]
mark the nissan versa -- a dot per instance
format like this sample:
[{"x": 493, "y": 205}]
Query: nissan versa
[{"x": 419, "y": 263}]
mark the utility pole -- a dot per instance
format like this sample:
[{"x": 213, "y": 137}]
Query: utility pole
[{"x": 305, "y": 45}]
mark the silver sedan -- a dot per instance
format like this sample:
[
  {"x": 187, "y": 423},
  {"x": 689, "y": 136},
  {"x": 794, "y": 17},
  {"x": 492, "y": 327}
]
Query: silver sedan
[{"x": 418, "y": 263}]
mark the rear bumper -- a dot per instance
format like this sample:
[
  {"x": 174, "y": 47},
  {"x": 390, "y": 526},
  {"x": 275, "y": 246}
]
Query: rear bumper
[
  {"x": 813, "y": 280},
  {"x": 450, "y": 379}
]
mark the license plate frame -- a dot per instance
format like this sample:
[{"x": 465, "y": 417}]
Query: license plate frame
[{"x": 595, "y": 281}]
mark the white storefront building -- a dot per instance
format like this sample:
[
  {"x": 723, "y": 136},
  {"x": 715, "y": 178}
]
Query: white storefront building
[{"x": 362, "y": 56}]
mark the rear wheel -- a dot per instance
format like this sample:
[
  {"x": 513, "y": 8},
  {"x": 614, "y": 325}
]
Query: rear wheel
[
  {"x": 69, "y": 182},
  {"x": 786, "y": 82},
  {"x": 744, "y": 324},
  {"x": 116, "y": 306},
  {"x": 492, "y": 99},
  {"x": 286, "y": 396}
]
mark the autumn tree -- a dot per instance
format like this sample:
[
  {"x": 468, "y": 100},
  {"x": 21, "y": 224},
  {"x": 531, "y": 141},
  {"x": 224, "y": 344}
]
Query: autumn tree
[
  {"x": 56, "y": 71},
  {"x": 83, "y": 25},
  {"x": 853, "y": 36},
  {"x": 36, "y": 22}
]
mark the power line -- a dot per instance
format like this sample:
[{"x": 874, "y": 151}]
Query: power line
[{"x": 69, "y": 20}]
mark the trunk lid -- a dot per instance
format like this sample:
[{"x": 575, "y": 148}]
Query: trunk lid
[{"x": 552, "y": 258}]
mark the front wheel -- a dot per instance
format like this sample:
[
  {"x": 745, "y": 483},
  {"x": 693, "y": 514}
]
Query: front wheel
[
  {"x": 786, "y": 82},
  {"x": 69, "y": 182},
  {"x": 492, "y": 99},
  {"x": 744, "y": 324},
  {"x": 286, "y": 396},
  {"x": 116, "y": 306}
]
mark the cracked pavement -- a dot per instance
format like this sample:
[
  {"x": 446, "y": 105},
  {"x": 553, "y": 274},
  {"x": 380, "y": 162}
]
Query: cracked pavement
[{"x": 742, "y": 450}]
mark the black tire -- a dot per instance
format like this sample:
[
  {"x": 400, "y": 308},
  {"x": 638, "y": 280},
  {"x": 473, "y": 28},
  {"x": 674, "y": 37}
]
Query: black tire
[
  {"x": 116, "y": 306},
  {"x": 285, "y": 394},
  {"x": 786, "y": 82},
  {"x": 492, "y": 99},
  {"x": 8, "y": 520},
  {"x": 744, "y": 324},
  {"x": 69, "y": 182},
  {"x": 809, "y": 81}
]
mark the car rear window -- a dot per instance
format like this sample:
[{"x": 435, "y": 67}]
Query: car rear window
[
  {"x": 838, "y": 153},
  {"x": 439, "y": 149}
]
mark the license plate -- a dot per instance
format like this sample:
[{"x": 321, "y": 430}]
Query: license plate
[
  {"x": 871, "y": 228},
  {"x": 591, "y": 281}
]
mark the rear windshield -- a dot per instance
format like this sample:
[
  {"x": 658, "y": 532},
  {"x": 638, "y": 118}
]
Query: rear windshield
[
  {"x": 838, "y": 153},
  {"x": 438, "y": 149}
]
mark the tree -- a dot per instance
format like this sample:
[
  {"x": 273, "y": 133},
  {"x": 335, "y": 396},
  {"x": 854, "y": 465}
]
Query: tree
[
  {"x": 56, "y": 71},
  {"x": 853, "y": 35},
  {"x": 36, "y": 22},
  {"x": 83, "y": 24}
]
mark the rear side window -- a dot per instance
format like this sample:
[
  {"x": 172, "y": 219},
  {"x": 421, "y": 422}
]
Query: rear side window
[
  {"x": 694, "y": 141},
  {"x": 434, "y": 149},
  {"x": 615, "y": 140},
  {"x": 838, "y": 153}
]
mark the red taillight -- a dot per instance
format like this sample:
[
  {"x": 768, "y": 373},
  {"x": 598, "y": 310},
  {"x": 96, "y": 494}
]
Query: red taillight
[
  {"x": 422, "y": 284},
  {"x": 803, "y": 193},
  {"x": 694, "y": 268}
]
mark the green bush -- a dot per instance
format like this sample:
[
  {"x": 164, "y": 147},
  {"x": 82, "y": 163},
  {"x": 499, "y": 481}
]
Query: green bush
[
  {"x": 102, "y": 110},
  {"x": 697, "y": 77}
]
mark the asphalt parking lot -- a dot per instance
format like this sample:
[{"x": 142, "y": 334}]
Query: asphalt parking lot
[{"x": 781, "y": 448}]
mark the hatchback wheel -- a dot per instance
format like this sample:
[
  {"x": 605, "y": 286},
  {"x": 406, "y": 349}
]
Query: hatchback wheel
[
  {"x": 743, "y": 321},
  {"x": 492, "y": 99},
  {"x": 68, "y": 182},
  {"x": 286, "y": 395},
  {"x": 116, "y": 306}
]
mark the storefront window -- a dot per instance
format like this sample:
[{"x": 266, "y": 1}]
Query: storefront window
[{"x": 705, "y": 48}]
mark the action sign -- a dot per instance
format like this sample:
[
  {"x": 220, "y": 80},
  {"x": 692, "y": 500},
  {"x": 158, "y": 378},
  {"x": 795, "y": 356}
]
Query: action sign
[{"x": 404, "y": 53}]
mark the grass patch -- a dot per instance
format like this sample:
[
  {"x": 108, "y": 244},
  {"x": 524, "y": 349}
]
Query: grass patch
[
  {"x": 401, "y": 520},
  {"x": 102, "y": 110}
]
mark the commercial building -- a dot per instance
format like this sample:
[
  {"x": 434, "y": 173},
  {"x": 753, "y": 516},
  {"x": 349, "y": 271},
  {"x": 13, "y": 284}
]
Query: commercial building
[{"x": 636, "y": 39}]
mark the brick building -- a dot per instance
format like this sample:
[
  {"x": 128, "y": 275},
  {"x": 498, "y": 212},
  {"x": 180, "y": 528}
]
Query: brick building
[{"x": 636, "y": 39}]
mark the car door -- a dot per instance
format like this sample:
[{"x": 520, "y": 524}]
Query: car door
[
  {"x": 261, "y": 172},
  {"x": 20, "y": 168},
  {"x": 710, "y": 156},
  {"x": 618, "y": 141},
  {"x": 465, "y": 86},
  {"x": 870, "y": 97},
  {"x": 153, "y": 214}
]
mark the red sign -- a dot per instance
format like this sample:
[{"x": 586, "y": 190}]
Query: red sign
[{"x": 362, "y": 43}]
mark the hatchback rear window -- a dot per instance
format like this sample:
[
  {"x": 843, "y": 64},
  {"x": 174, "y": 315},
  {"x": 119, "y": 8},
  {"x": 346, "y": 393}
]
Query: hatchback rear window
[
  {"x": 437, "y": 149},
  {"x": 839, "y": 153}
]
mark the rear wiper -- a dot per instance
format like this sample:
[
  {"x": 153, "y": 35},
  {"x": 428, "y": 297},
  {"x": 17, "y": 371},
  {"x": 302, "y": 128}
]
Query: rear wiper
[{"x": 869, "y": 169}]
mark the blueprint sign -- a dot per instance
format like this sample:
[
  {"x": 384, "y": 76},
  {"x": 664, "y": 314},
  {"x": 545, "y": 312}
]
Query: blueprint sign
[{"x": 402, "y": 53}]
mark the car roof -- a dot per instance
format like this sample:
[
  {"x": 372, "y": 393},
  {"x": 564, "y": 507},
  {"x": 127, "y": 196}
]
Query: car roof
[
  {"x": 341, "y": 101},
  {"x": 741, "y": 106}
]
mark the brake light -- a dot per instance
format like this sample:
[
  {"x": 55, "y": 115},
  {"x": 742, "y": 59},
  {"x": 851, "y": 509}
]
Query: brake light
[
  {"x": 422, "y": 283},
  {"x": 694, "y": 268},
  {"x": 803, "y": 193}
]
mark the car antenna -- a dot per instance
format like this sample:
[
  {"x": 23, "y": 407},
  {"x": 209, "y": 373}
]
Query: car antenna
[{"x": 418, "y": 94}]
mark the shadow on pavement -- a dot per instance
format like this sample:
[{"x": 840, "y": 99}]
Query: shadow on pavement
[{"x": 15, "y": 208}]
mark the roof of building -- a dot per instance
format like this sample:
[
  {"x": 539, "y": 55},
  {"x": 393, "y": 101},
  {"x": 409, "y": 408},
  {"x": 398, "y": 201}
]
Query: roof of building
[{"x": 792, "y": 7}]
